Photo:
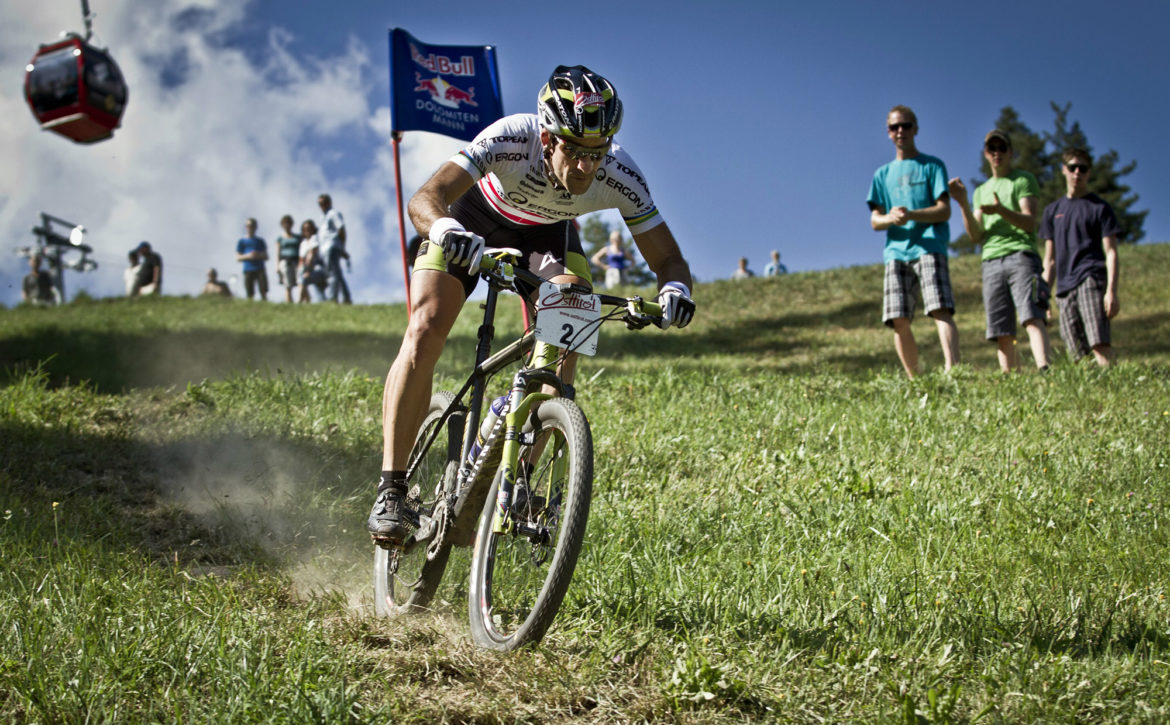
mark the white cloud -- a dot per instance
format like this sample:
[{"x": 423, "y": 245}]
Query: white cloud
[{"x": 211, "y": 135}]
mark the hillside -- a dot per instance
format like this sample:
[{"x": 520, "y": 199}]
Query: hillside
[{"x": 783, "y": 526}]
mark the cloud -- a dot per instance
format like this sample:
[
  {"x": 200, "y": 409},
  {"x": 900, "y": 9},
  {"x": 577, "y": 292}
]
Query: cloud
[{"x": 216, "y": 130}]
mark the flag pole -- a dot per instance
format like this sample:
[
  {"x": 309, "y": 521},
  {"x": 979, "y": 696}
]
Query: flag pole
[{"x": 395, "y": 138}]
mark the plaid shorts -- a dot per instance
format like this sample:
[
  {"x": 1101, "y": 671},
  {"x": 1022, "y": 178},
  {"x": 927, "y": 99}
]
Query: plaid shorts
[
  {"x": 1013, "y": 284},
  {"x": 930, "y": 273},
  {"x": 1083, "y": 322}
]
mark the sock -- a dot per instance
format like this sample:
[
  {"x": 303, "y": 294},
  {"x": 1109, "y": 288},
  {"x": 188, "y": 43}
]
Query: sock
[{"x": 392, "y": 480}]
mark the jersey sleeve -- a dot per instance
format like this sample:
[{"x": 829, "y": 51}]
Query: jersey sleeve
[
  {"x": 476, "y": 158},
  {"x": 623, "y": 177},
  {"x": 877, "y": 193},
  {"x": 1044, "y": 233},
  {"x": 1027, "y": 186},
  {"x": 938, "y": 180},
  {"x": 1110, "y": 226}
]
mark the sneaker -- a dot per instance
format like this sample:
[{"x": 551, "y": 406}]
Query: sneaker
[{"x": 385, "y": 522}]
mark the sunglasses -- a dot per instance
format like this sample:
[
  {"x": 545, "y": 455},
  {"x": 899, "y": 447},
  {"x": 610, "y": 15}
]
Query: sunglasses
[
  {"x": 996, "y": 148},
  {"x": 1074, "y": 168},
  {"x": 577, "y": 153},
  {"x": 904, "y": 125}
]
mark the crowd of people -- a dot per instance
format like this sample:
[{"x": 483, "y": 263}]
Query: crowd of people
[
  {"x": 910, "y": 200},
  {"x": 774, "y": 268},
  {"x": 310, "y": 259}
]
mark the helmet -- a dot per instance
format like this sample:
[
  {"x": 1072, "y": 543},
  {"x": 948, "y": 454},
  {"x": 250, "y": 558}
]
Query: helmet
[{"x": 578, "y": 102}]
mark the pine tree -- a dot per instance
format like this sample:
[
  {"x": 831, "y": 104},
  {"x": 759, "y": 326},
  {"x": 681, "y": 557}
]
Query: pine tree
[{"x": 1040, "y": 154}]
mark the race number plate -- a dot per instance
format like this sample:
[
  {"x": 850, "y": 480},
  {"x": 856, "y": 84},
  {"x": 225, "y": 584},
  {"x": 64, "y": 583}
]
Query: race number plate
[{"x": 567, "y": 320}]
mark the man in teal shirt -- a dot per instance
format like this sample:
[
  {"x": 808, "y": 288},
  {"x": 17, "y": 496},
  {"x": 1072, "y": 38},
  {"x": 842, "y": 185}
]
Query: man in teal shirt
[
  {"x": 1003, "y": 220},
  {"x": 908, "y": 200}
]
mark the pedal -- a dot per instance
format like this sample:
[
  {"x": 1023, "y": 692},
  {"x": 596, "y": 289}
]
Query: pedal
[{"x": 388, "y": 544}]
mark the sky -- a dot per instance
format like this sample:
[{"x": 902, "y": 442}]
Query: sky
[{"x": 758, "y": 125}]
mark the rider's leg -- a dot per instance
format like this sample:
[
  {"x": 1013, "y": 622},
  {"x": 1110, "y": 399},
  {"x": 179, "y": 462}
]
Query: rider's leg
[{"x": 436, "y": 299}]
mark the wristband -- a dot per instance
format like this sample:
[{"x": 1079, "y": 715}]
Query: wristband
[{"x": 441, "y": 226}]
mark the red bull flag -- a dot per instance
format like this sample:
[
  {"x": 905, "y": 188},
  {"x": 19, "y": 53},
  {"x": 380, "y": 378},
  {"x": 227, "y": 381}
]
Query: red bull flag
[{"x": 449, "y": 89}]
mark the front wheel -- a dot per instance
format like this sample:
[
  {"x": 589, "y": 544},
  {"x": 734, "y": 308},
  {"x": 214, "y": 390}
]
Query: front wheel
[
  {"x": 519, "y": 578},
  {"x": 406, "y": 577}
]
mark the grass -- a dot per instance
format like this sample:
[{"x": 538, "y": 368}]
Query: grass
[{"x": 784, "y": 528}]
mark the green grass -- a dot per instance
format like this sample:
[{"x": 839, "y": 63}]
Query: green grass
[{"x": 784, "y": 528}]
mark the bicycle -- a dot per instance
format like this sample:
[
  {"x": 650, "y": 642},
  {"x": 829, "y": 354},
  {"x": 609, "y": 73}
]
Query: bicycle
[{"x": 518, "y": 487}]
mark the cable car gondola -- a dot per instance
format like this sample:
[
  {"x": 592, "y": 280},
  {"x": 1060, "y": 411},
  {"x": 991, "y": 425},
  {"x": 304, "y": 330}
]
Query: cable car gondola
[{"x": 75, "y": 89}]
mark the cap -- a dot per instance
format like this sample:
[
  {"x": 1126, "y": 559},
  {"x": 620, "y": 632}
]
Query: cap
[
  {"x": 142, "y": 246},
  {"x": 1001, "y": 135}
]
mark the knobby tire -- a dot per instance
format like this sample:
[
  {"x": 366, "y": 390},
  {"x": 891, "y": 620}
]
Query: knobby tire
[
  {"x": 517, "y": 585},
  {"x": 413, "y": 586}
]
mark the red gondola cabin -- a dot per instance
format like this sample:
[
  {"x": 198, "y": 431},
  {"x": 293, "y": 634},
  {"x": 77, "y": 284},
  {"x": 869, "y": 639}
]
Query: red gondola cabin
[{"x": 75, "y": 90}]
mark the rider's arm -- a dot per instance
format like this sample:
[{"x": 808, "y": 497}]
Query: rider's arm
[
  {"x": 432, "y": 200},
  {"x": 663, "y": 256}
]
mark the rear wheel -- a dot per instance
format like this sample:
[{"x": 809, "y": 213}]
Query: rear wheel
[
  {"x": 519, "y": 578},
  {"x": 406, "y": 577}
]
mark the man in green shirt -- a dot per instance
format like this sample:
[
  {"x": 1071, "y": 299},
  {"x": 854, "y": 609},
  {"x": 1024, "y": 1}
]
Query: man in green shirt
[{"x": 1003, "y": 219}]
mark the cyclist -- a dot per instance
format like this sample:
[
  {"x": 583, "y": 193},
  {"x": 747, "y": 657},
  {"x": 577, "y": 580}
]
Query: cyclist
[{"x": 521, "y": 183}]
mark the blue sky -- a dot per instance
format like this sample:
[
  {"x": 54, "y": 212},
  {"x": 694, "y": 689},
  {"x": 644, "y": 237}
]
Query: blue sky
[{"x": 758, "y": 125}]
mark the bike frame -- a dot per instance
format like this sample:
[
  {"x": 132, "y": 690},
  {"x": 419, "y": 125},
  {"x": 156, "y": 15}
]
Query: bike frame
[{"x": 466, "y": 500}]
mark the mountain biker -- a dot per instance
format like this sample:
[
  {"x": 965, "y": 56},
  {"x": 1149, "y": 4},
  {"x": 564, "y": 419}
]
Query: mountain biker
[{"x": 520, "y": 183}]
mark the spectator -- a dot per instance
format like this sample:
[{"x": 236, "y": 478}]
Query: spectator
[
  {"x": 742, "y": 271},
  {"x": 148, "y": 280},
  {"x": 289, "y": 245},
  {"x": 908, "y": 200},
  {"x": 774, "y": 268},
  {"x": 331, "y": 237},
  {"x": 615, "y": 259},
  {"x": 131, "y": 272},
  {"x": 1003, "y": 221},
  {"x": 253, "y": 252},
  {"x": 1080, "y": 234},
  {"x": 312, "y": 265},
  {"x": 214, "y": 287},
  {"x": 37, "y": 288}
]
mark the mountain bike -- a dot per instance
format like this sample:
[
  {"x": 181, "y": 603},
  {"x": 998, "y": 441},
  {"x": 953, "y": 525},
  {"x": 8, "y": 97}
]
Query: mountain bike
[{"x": 515, "y": 481}]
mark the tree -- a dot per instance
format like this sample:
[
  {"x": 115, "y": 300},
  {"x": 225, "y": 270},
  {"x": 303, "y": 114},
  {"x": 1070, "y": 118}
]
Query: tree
[
  {"x": 1040, "y": 154},
  {"x": 595, "y": 235}
]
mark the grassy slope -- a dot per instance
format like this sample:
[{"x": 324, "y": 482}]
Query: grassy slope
[{"x": 783, "y": 526}]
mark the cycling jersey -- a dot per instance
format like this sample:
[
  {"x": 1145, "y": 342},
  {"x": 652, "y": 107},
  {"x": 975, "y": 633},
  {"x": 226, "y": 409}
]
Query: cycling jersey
[{"x": 506, "y": 160}]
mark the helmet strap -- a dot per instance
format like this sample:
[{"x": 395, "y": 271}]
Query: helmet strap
[{"x": 548, "y": 170}]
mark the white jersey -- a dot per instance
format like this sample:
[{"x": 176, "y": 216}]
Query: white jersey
[{"x": 507, "y": 163}]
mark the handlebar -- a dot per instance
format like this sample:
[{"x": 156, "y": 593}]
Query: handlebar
[{"x": 495, "y": 267}]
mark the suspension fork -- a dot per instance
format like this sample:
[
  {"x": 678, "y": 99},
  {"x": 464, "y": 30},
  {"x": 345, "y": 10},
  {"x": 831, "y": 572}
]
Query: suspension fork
[{"x": 521, "y": 404}]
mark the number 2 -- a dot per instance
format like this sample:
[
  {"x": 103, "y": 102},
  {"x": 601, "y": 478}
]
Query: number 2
[{"x": 567, "y": 338}]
